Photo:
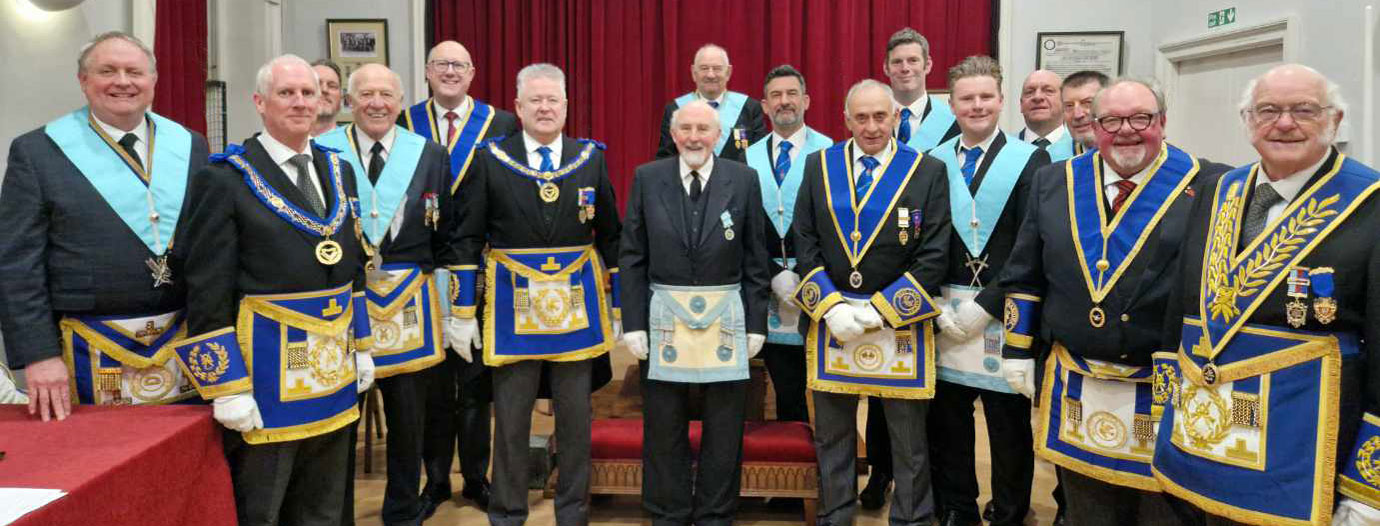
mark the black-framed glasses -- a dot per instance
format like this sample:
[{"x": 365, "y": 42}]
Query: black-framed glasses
[
  {"x": 1137, "y": 122},
  {"x": 440, "y": 66},
  {"x": 1305, "y": 112}
]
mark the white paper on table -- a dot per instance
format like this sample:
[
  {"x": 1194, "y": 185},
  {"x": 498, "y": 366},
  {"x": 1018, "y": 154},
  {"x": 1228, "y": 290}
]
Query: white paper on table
[{"x": 15, "y": 502}]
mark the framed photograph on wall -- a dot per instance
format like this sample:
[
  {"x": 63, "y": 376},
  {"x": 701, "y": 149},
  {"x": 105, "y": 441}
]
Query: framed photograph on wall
[
  {"x": 1065, "y": 52},
  {"x": 355, "y": 42}
]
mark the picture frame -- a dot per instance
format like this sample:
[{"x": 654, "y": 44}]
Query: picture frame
[
  {"x": 354, "y": 42},
  {"x": 1066, "y": 52}
]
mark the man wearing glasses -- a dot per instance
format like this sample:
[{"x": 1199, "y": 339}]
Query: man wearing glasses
[
  {"x": 1274, "y": 317},
  {"x": 1090, "y": 275},
  {"x": 741, "y": 120},
  {"x": 460, "y": 123}
]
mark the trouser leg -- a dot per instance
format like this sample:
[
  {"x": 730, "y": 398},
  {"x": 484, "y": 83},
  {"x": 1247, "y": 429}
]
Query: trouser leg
[
  {"x": 570, "y": 383},
  {"x": 666, "y": 456},
  {"x": 719, "y": 476},
  {"x": 512, "y": 428},
  {"x": 952, "y": 447},
  {"x": 836, "y": 448},
  {"x": 912, "y": 503}
]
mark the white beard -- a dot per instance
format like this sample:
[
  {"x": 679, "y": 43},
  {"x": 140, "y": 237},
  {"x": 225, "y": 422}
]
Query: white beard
[
  {"x": 695, "y": 158},
  {"x": 1122, "y": 157}
]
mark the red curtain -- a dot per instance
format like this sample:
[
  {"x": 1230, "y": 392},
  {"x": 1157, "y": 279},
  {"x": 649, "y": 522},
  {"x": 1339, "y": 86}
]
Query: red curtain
[
  {"x": 625, "y": 59},
  {"x": 179, "y": 43}
]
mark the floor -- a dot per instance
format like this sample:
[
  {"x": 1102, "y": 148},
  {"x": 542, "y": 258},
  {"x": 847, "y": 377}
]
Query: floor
[{"x": 619, "y": 398}]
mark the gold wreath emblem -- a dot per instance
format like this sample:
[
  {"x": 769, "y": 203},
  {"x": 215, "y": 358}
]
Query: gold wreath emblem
[
  {"x": 1365, "y": 461},
  {"x": 868, "y": 357},
  {"x": 550, "y": 307},
  {"x": 1206, "y": 419},
  {"x": 810, "y": 295},
  {"x": 907, "y": 302},
  {"x": 210, "y": 364},
  {"x": 386, "y": 333},
  {"x": 1106, "y": 430},
  {"x": 328, "y": 361},
  {"x": 1011, "y": 316},
  {"x": 1166, "y": 384}
]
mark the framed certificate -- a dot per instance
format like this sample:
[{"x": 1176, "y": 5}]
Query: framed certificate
[
  {"x": 1069, "y": 52},
  {"x": 356, "y": 42}
]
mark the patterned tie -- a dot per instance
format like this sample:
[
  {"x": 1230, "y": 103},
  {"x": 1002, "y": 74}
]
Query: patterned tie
[
  {"x": 127, "y": 144},
  {"x": 1259, "y": 212},
  {"x": 1124, "y": 188},
  {"x": 970, "y": 165},
  {"x": 546, "y": 165},
  {"x": 451, "y": 117},
  {"x": 714, "y": 104},
  {"x": 696, "y": 186},
  {"x": 783, "y": 162},
  {"x": 375, "y": 162},
  {"x": 1041, "y": 143},
  {"x": 903, "y": 133},
  {"x": 870, "y": 163},
  {"x": 301, "y": 161}
]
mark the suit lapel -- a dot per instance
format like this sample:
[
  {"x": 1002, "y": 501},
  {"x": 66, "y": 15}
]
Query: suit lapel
[
  {"x": 523, "y": 190},
  {"x": 570, "y": 186},
  {"x": 258, "y": 158},
  {"x": 323, "y": 176},
  {"x": 672, "y": 201},
  {"x": 718, "y": 195}
]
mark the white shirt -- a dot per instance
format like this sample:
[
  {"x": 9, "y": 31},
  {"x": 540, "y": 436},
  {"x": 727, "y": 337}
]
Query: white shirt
[
  {"x": 443, "y": 125},
  {"x": 366, "y": 146},
  {"x": 986, "y": 145},
  {"x": 917, "y": 112},
  {"x": 1110, "y": 177},
  {"x": 797, "y": 140},
  {"x": 1288, "y": 186},
  {"x": 534, "y": 157},
  {"x": 141, "y": 132},
  {"x": 281, "y": 153},
  {"x": 717, "y": 101},
  {"x": 882, "y": 158},
  {"x": 704, "y": 172},
  {"x": 1053, "y": 137}
]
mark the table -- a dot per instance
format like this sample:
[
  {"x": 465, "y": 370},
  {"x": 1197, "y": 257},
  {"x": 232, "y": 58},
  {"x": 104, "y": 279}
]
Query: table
[{"x": 135, "y": 465}]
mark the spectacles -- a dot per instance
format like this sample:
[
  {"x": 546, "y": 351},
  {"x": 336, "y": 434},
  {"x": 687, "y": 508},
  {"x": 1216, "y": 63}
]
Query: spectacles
[
  {"x": 441, "y": 66},
  {"x": 1137, "y": 122},
  {"x": 1268, "y": 113}
]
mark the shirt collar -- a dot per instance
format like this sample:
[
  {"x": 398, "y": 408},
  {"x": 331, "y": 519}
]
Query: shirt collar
[
  {"x": 917, "y": 108},
  {"x": 986, "y": 144},
  {"x": 882, "y": 156},
  {"x": 1290, "y": 185},
  {"x": 530, "y": 144},
  {"x": 719, "y": 99},
  {"x": 797, "y": 139},
  {"x": 704, "y": 171},
  {"x": 279, "y": 152},
  {"x": 1110, "y": 176},
  {"x": 1054, "y": 136},
  {"x": 461, "y": 110},
  {"x": 141, "y": 131},
  {"x": 366, "y": 143}
]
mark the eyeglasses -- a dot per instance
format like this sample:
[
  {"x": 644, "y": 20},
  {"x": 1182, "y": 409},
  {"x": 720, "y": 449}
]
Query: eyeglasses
[
  {"x": 441, "y": 66},
  {"x": 1137, "y": 122},
  {"x": 1269, "y": 113}
]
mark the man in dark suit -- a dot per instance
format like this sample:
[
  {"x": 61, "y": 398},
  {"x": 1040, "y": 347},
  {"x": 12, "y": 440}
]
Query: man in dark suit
[
  {"x": 740, "y": 117},
  {"x": 872, "y": 233},
  {"x": 408, "y": 222},
  {"x": 544, "y": 205},
  {"x": 694, "y": 266},
  {"x": 460, "y": 123},
  {"x": 1089, "y": 279},
  {"x": 1286, "y": 345},
  {"x": 995, "y": 173},
  {"x": 275, "y": 264},
  {"x": 91, "y": 205}
]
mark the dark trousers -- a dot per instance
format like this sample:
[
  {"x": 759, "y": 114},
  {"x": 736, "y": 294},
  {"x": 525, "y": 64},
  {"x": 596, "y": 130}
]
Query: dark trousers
[
  {"x": 878, "y": 441},
  {"x": 1092, "y": 502},
  {"x": 672, "y": 493},
  {"x": 517, "y": 386},
  {"x": 300, "y": 482},
  {"x": 786, "y": 364},
  {"x": 458, "y": 419},
  {"x": 954, "y": 456},
  {"x": 404, "y": 410},
  {"x": 836, "y": 446}
]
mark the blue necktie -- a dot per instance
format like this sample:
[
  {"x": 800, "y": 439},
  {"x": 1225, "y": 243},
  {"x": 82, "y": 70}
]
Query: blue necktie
[
  {"x": 970, "y": 165},
  {"x": 903, "y": 134},
  {"x": 783, "y": 162},
  {"x": 714, "y": 104},
  {"x": 546, "y": 165},
  {"x": 865, "y": 180}
]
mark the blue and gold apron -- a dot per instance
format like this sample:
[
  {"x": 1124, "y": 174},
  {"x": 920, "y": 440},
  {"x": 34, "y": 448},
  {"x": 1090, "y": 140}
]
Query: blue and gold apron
[
  {"x": 118, "y": 360},
  {"x": 545, "y": 304},
  {"x": 886, "y": 362},
  {"x": 405, "y": 319},
  {"x": 697, "y": 334}
]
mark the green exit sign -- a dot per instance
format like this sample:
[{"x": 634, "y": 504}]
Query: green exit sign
[{"x": 1222, "y": 18}]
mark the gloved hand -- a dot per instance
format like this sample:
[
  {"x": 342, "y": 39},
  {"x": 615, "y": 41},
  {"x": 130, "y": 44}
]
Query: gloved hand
[
  {"x": 842, "y": 323},
  {"x": 364, "y": 371},
  {"x": 783, "y": 284},
  {"x": 948, "y": 327},
  {"x": 971, "y": 318},
  {"x": 636, "y": 343},
  {"x": 867, "y": 316},
  {"x": 755, "y": 342},
  {"x": 1351, "y": 512},
  {"x": 238, "y": 412},
  {"x": 1020, "y": 375},
  {"x": 463, "y": 334}
]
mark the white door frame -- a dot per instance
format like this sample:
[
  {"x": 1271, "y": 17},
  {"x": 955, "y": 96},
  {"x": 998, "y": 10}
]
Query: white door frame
[{"x": 1281, "y": 32}]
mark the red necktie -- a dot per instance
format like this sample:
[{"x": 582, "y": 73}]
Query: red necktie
[
  {"x": 1124, "y": 188},
  {"x": 450, "y": 130}
]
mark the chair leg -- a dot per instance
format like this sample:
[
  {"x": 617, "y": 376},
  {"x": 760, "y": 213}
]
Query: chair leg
[
  {"x": 377, "y": 412},
  {"x": 811, "y": 507}
]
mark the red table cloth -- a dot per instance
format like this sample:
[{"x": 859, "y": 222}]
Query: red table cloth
[{"x": 120, "y": 465}]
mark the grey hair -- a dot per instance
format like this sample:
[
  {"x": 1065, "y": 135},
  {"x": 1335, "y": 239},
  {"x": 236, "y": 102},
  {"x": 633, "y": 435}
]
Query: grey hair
[
  {"x": 713, "y": 46},
  {"x": 397, "y": 81},
  {"x": 263, "y": 80},
  {"x": 675, "y": 115},
  {"x": 865, "y": 84},
  {"x": 541, "y": 70},
  {"x": 115, "y": 35},
  {"x": 1148, "y": 83},
  {"x": 1332, "y": 94}
]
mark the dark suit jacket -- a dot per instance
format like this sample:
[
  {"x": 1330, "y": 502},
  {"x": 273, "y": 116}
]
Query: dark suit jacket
[
  {"x": 752, "y": 120},
  {"x": 657, "y": 245},
  {"x": 237, "y": 245},
  {"x": 1044, "y": 263},
  {"x": 416, "y": 242},
  {"x": 64, "y": 250},
  {"x": 998, "y": 247},
  {"x": 926, "y": 258},
  {"x": 503, "y": 125}
]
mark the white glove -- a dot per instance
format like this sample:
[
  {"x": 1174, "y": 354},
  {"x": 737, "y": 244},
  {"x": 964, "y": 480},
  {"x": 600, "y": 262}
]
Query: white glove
[
  {"x": 948, "y": 326},
  {"x": 971, "y": 318},
  {"x": 868, "y": 317},
  {"x": 462, "y": 334},
  {"x": 755, "y": 342},
  {"x": 1351, "y": 512},
  {"x": 238, "y": 412},
  {"x": 843, "y": 324},
  {"x": 636, "y": 344},
  {"x": 364, "y": 371},
  {"x": 783, "y": 284},
  {"x": 1020, "y": 375},
  {"x": 617, "y": 330}
]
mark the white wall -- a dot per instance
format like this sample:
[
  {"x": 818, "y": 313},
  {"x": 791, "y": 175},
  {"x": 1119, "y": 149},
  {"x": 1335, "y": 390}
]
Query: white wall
[
  {"x": 246, "y": 34},
  {"x": 304, "y": 23}
]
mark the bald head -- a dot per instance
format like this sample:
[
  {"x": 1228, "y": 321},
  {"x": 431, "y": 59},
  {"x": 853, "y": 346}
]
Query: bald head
[
  {"x": 711, "y": 71},
  {"x": 449, "y": 71},
  {"x": 1040, "y": 104}
]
